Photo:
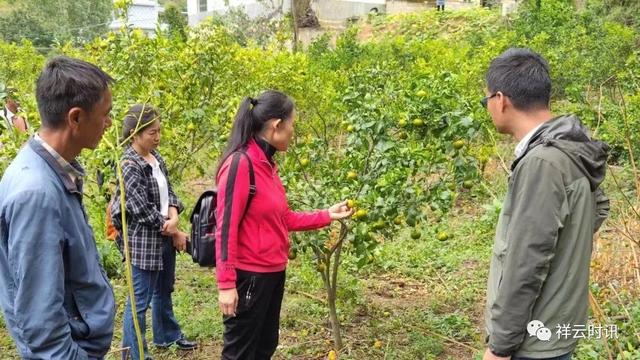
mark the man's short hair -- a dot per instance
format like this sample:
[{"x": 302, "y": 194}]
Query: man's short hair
[
  {"x": 523, "y": 76},
  {"x": 66, "y": 83}
]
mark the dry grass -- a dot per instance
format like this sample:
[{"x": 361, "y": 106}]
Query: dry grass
[{"x": 5, "y": 7}]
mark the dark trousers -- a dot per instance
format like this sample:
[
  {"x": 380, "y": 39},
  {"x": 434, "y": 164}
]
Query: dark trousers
[
  {"x": 440, "y": 7},
  {"x": 562, "y": 357},
  {"x": 253, "y": 333}
]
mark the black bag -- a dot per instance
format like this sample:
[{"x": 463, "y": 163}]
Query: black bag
[{"x": 202, "y": 245}]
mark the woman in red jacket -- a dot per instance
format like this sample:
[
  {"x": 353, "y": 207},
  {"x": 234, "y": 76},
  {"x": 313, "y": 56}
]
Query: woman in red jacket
[{"x": 252, "y": 239}]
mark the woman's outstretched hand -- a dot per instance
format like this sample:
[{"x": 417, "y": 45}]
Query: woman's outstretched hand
[{"x": 340, "y": 211}]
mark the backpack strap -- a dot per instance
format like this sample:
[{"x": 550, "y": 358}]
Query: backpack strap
[{"x": 252, "y": 190}]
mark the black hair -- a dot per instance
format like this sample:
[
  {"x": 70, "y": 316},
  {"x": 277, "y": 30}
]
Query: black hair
[
  {"x": 523, "y": 76},
  {"x": 251, "y": 117},
  {"x": 65, "y": 83},
  {"x": 137, "y": 119}
]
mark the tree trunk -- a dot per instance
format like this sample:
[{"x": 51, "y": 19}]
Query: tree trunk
[
  {"x": 335, "y": 323},
  {"x": 331, "y": 302},
  {"x": 294, "y": 15},
  {"x": 332, "y": 276},
  {"x": 299, "y": 10}
]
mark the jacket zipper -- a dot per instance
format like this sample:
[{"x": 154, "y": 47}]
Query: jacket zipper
[
  {"x": 247, "y": 297},
  {"x": 273, "y": 173}
]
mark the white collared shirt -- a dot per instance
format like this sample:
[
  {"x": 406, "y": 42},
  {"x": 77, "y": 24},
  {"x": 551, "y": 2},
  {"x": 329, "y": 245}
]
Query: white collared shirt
[
  {"x": 8, "y": 116},
  {"x": 163, "y": 186},
  {"x": 524, "y": 142}
]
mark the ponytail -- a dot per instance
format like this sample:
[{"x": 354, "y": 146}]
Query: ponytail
[{"x": 251, "y": 117}]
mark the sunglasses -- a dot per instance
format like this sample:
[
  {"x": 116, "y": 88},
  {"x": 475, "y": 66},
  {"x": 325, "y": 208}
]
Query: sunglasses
[{"x": 485, "y": 100}]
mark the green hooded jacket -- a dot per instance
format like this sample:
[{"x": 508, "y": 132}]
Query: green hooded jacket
[{"x": 543, "y": 243}]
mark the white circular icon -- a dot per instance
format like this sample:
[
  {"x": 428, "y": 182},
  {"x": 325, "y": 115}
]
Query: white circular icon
[
  {"x": 534, "y": 326},
  {"x": 543, "y": 334}
]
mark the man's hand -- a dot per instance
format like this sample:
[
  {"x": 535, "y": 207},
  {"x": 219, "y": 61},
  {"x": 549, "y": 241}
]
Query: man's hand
[{"x": 488, "y": 355}]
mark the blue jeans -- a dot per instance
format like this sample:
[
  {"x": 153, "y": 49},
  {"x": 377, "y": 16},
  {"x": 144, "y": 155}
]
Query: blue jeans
[
  {"x": 153, "y": 288},
  {"x": 562, "y": 357}
]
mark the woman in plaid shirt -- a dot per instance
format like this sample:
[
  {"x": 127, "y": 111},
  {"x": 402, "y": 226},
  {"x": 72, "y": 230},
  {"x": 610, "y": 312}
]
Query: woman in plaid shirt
[{"x": 152, "y": 210}]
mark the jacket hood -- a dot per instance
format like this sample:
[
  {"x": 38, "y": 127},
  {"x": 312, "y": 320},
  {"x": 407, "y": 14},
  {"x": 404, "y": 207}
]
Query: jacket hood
[{"x": 567, "y": 134}]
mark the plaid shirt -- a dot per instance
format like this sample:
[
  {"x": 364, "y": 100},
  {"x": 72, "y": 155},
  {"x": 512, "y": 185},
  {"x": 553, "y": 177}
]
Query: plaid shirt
[
  {"x": 73, "y": 169},
  {"x": 144, "y": 220}
]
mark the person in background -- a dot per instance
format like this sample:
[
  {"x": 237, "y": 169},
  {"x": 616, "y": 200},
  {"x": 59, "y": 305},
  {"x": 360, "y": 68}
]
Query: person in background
[
  {"x": 152, "y": 210},
  {"x": 9, "y": 114}
]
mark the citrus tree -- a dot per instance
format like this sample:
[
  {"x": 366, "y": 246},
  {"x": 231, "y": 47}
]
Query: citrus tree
[
  {"x": 384, "y": 138},
  {"x": 389, "y": 120}
]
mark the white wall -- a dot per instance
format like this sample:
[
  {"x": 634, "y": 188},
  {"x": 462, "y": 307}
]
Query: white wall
[
  {"x": 143, "y": 14},
  {"x": 509, "y": 6},
  {"x": 253, "y": 8},
  {"x": 340, "y": 10},
  {"x": 331, "y": 10},
  {"x": 192, "y": 6}
]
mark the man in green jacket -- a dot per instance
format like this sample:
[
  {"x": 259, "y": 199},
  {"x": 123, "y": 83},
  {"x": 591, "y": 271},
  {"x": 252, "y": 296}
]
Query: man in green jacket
[{"x": 539, "y": 276}]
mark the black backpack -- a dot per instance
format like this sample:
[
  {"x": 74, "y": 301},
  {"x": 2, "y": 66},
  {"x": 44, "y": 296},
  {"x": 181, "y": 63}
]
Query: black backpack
[{"x": 202, "y": 245}]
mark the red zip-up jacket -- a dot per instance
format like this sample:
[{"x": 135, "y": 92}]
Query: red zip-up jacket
[{"x": 259, "y": 242}]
